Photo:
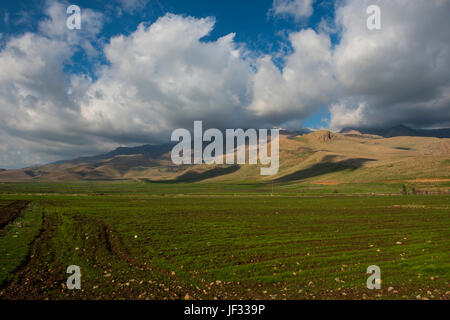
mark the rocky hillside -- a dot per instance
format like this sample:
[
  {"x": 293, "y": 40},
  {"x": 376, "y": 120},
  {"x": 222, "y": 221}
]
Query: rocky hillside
[{"x": 318, "y": 157}]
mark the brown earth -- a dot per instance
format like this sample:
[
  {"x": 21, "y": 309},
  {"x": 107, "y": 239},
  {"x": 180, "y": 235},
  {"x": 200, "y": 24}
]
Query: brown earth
[
  {"x": 41, "y": 277},
  {"x": 12, "y": 211},
  {"x": 430, "y": 180}
]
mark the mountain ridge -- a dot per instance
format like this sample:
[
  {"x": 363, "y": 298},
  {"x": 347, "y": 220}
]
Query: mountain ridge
[
  {"x": 318, "y": 157},
  {"x": 401, "y": 130}
]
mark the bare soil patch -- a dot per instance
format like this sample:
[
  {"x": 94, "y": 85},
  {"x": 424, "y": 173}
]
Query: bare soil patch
[
  {"x": 12, "y": 211},
  {"x": 429, "y": 180}
]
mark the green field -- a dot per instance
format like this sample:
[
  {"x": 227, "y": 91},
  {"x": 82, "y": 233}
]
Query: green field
[{"x": 137, "y": 240}]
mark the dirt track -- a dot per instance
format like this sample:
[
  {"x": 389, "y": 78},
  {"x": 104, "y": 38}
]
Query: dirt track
[
  {"x": 9, "y": 213},
  {"x": 43, "y": 276},
  {"x": 110, "y": 271}
]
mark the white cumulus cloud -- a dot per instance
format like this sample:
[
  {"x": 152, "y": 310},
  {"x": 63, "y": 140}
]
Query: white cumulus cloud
[{"x": 165, "y": 75}]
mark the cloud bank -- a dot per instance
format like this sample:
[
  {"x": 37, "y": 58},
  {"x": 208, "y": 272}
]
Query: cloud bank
[
  {"x": 399, "y": 74},
  {"x": 164, "y": 76}
]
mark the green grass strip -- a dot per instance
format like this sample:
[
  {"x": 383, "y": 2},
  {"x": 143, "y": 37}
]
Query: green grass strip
[{"x": 15, "y": 241}]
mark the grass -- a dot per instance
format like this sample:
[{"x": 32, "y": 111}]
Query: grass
[
  {"x": 255, "y": 188},
  {"x": 148, "y": 240},
  {"x": 15, "y": 241}
]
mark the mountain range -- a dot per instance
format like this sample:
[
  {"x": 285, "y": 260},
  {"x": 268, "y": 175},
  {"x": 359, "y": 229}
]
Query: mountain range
[
  {"x": 319, "y": 157},
  {"x": 401, "y": 130}
]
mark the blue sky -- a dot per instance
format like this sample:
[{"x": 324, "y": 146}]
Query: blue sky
[
  {"x": 138, "y": 69},
  {"x": 250, "y": 20}
]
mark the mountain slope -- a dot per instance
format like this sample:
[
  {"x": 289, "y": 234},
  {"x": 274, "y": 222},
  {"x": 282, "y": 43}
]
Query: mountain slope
[
  {"x": 318, "y": 157},
  {"x": 401, "y": 130}
]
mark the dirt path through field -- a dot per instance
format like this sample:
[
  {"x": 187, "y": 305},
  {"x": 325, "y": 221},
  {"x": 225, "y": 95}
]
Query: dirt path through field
[
  {"x": 108, "y": 270},
  {"x": 9, "y": 213}
]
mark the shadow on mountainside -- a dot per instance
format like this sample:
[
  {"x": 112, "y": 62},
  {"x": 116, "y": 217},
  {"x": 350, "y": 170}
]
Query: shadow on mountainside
[
  {"x": 324, "y": 167},
  {"x": 193, "y": 176}
]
